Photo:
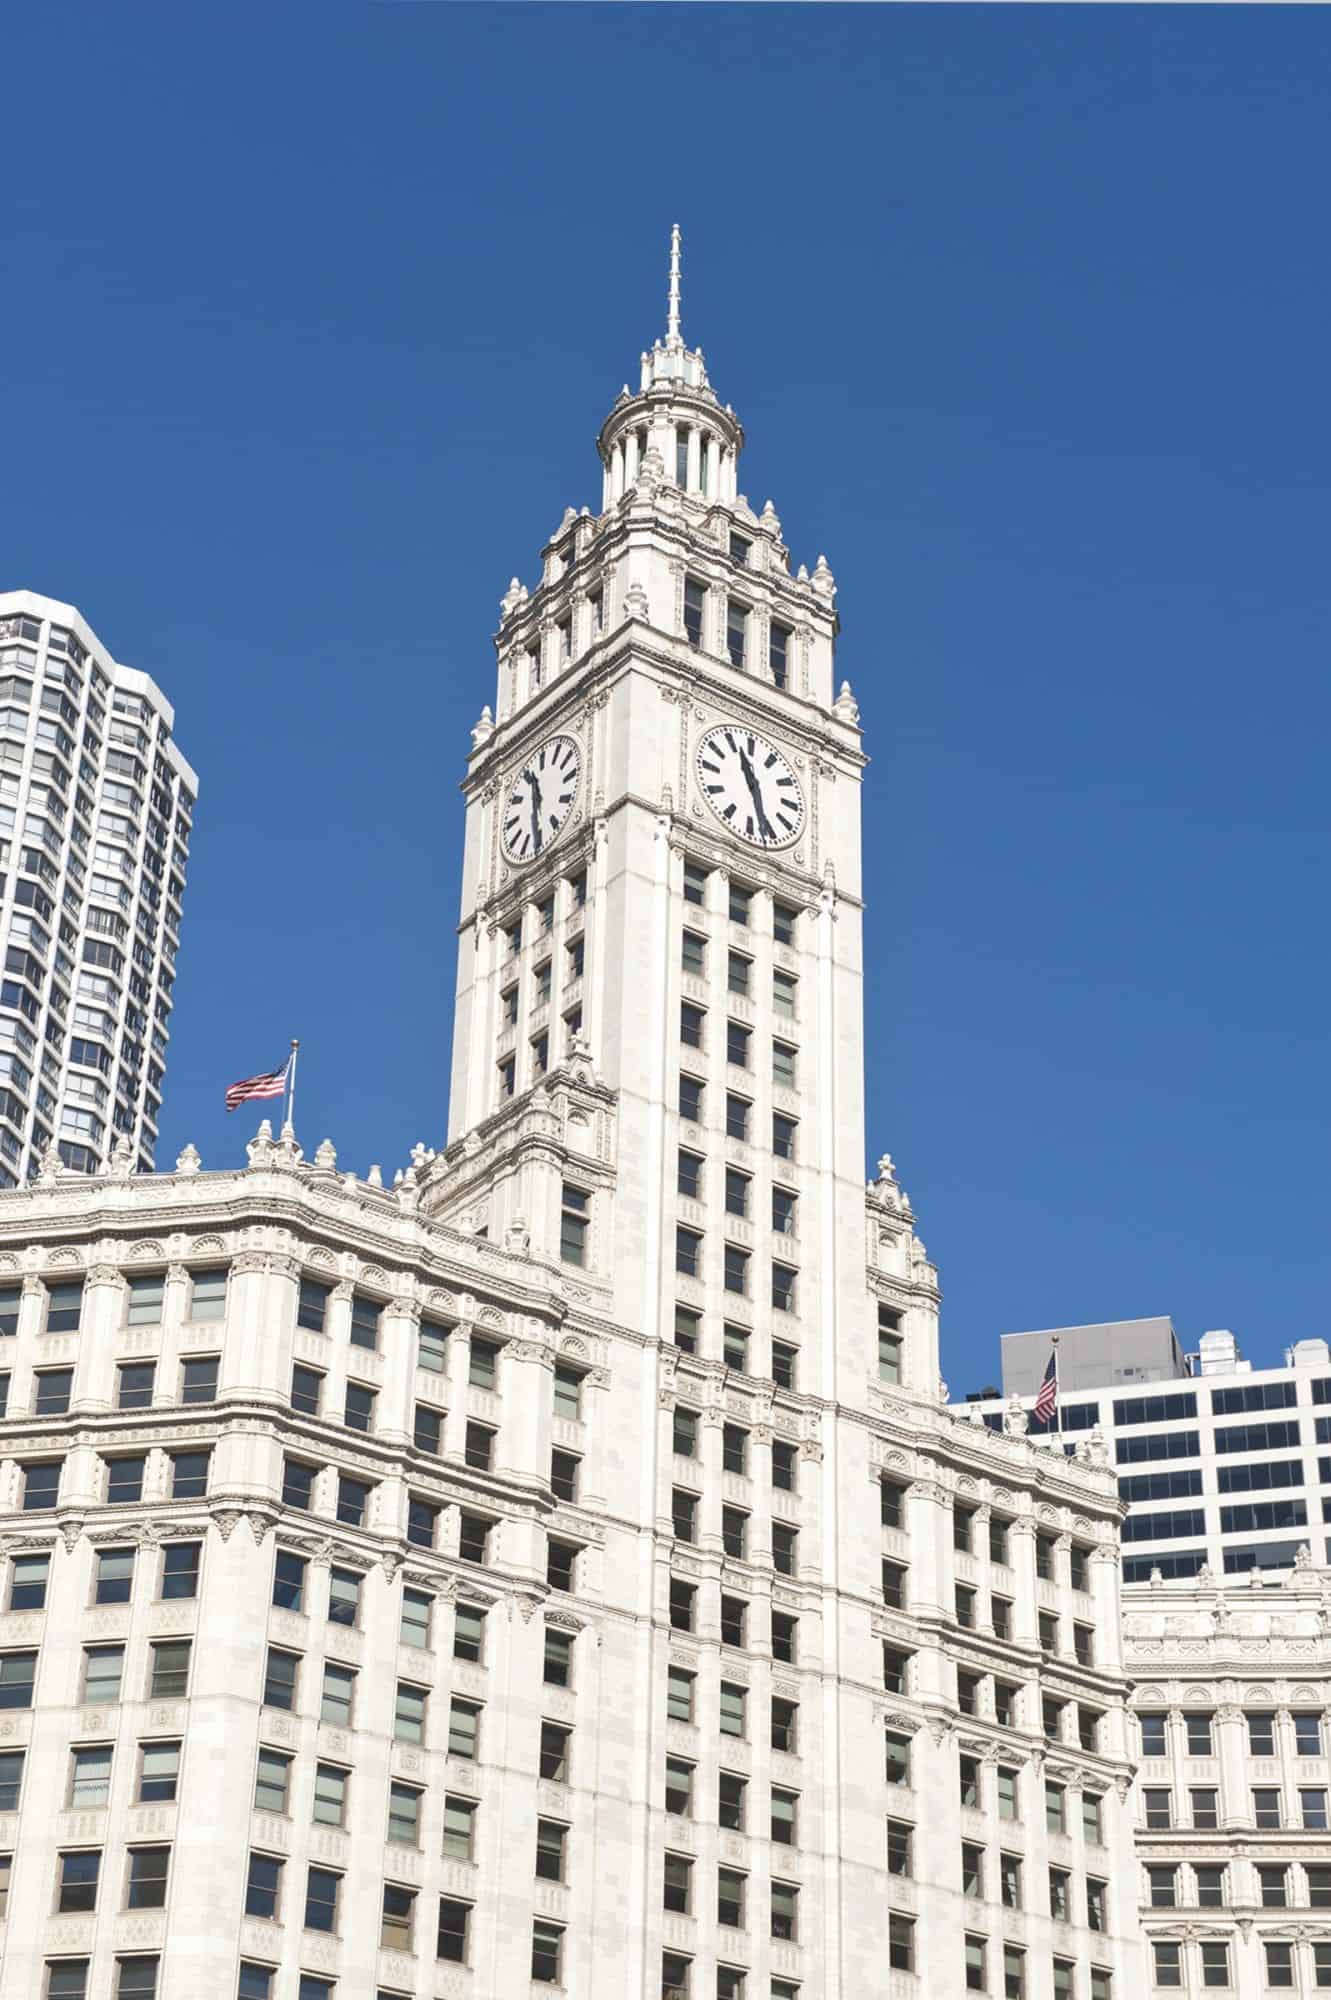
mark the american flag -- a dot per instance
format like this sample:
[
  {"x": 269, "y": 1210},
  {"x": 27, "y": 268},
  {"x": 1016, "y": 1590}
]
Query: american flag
[
  {"x": 1047, "y": 1400},
  {"x": 271, "y": 1084}
]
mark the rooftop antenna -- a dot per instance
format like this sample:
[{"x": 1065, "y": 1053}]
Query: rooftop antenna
[{"x": 672, "y": 316}]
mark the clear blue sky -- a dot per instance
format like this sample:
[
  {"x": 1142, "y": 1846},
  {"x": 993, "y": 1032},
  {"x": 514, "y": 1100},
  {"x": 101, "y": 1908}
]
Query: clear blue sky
[{"x": 311, "y": 316}]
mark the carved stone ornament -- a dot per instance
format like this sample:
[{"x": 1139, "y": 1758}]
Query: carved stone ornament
[{"x": 71, "y": 1528}]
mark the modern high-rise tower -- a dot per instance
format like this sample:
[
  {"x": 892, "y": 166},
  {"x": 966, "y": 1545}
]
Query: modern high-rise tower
[
  {"x": 562, "y": 1570},
  {"x": 96, "y": 805}
]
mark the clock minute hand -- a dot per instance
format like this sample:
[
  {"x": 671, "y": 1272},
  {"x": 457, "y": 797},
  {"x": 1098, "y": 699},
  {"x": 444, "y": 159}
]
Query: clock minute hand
[
  {"x": 535, "y": 810},
  {"x": 755, "y": 793}
]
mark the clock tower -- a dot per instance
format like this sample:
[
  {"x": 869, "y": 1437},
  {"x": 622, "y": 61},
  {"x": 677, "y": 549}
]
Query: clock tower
[
  {"x": 662, "y": 882},
  {"x": 814, "y": 1604}
]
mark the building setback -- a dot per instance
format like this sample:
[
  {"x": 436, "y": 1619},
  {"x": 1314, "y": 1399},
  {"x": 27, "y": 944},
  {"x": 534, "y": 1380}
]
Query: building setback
[
  {"x": 1231, "y": 1698},
  {"x": 96, "y": 809},
  {"x": 562, "y": 1569},
  {"x": 1220, "y": 1464}
]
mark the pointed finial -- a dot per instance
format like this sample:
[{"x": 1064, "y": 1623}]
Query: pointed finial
[{"x": 672, "y": 315}]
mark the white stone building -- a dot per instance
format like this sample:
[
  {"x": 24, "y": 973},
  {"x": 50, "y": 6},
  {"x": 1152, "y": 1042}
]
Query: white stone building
[
  {"x": 96, "y": 809},
  {"x": 562, "y": 1570},
  {"x": 1232, "y": 1697}
]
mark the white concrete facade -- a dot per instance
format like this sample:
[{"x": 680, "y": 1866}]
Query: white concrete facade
[
  {"x": 96, "y": 812},
  {"x": 699, "y": 1650},
  {"x": 1232, "y": 1699}
]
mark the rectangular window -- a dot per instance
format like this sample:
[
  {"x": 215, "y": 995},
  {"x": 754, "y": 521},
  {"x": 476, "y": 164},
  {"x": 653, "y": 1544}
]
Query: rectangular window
[
  {"x": 478, "y": 1446},
  {"x": 695, "y": 597},
  {"x": 77, "y": 1882},
  {"x": 459, "y": 1828},
  {"x": 695, "y": 883},
  {"x": 17, "y": 1673},
  {"x": 114, "y": 1576},
  {"x": 1307, "y": 1733},
  {"x": 784, "y": 1280},
  {"x": 784, "y": 1137},
  {"x": 889, "y": 1345},
  {"x": 207, "y": 1295},
  {"x": 688, "y": 1175},
  {"x": 900, "y": 1835},
  {"x": 432, "y": 1347},
  {"x": 1274, "y": 1886},
  {"x": 337, "y": 1695},
  {"x": 898, "y": 1759},
  {"x": 263, "y": 1891},
  {"x": 894, "y": 1576},
  {"x": 306, "y": 1390},
  {"x": 483, "y": 1363},
  {"x": 124, "y": 1481},
  {"x": 900, "y": 1942},
  {"x": 189, "y": 1474},
  {"x": 733, "y": 1701},
  {"x": 279, "y": 1681},
  {"x": 464, "y": 1725},
  {"x": 451, "y": 1943},
  {"x": 428, "y": 1430},
  {"x": 271, "y": 1782},
  {"x": 134, "y": 1385},
  {"x": 330, "y": 1795},
  {"x": 683, "y": 1599},
  {"x": 679, "y": 1694},
  {"x": 1167, "y": 1964},
  {"x": 574, "y": 1225},
  {"x": 738, "y": 1044},
  {"x": 1215, "y": 1964},
  {"x": 103, "y": 1668},
  {"x": 684, "y": 1432},
  {"x": 358, "y": 1409},
  {"x": 974, "y": 1959},
  {"x": 343, "y": 1597},
  {"x": 144, "y": 1305},
  {"x": 148, "y": 1869},
  {"x": 692, "y": 1025},
  {"x": 289, "y": 1581},
  {"x": 736, "y": 1270},
  {"x": 365, "y": 1317},
  {"x": 1261, "y": 1733},
  {"x": 312, "y": 1308},
  {"x": 353, "y": 1501},
  {"x": 409, "y": 1706},
  {"x": 54, "y": 1388},
  {"x": 321, "y": 1894},
  {"x": 688, "y": 1251}
]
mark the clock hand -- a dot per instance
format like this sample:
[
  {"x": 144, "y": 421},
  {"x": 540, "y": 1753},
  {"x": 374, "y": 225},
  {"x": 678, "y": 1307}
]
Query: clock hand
[
  {"x": 535, "y": 810},
  {"x": 755, "y": 793}
]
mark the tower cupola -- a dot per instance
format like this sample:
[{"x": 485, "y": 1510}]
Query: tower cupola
[{"x": 675, "y": 414}]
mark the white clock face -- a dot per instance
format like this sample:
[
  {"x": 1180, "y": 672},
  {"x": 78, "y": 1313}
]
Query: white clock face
[
  {"x": 750, "y": 786},
  {"x": 541, "y": 799}
]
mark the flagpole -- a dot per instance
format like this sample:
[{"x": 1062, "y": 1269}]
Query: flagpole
[
  {"x": 1058, "y": 1414},
  {"x": 291, "y": 1084}
]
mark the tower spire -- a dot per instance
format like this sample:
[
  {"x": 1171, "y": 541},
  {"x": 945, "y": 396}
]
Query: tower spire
[{"x": 673, "y": 337}]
